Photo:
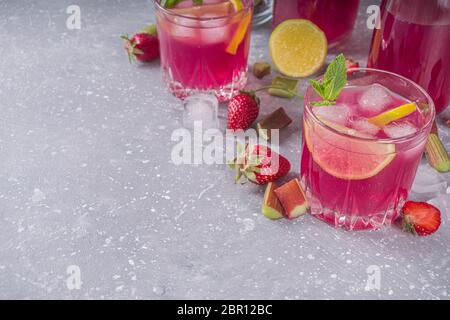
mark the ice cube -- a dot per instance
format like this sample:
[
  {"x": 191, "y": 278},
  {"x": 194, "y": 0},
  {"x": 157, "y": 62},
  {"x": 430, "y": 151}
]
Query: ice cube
[
  {"x": 442, "y": 202},
  {"x": 215, "y": 35},
  {"x": 374, "y": 100},
  {"x": 364, "y": 126},
  {"x": 200, "y": 107},
  {"x": 428, "y": 182},
  {"x": 184, "y": 28},
  {"x": 398, "y": 130},
  {"x": 338, "y": 113}
]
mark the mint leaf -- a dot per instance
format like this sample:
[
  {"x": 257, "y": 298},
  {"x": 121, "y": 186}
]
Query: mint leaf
[
  {"x": 335, "y": 78},
  {"x": 172, "y": 3},
  {"x": 169, "y": 3},
  {"x": 332, "y": 83},
  {"x": 323, "y": 103},
  {"x": 318, "y": 87}
]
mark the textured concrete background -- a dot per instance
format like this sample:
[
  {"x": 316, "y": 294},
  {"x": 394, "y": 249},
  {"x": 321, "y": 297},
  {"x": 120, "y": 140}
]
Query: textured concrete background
[{"x": 86, "y": 180}]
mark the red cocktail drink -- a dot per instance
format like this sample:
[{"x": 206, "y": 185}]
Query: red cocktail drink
[
  {"x": 335, "y": 17},
  {"x": 357, "y": 175},
  {"x": 205, "y": 47}
]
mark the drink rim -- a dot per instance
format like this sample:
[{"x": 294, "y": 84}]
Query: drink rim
[
  {"x": 307, "y": 108},
  {"x": 170, "y": 12}
]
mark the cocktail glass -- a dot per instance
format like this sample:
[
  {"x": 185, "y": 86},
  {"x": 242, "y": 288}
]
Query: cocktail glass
[
  {"x": 204, "y": 48},
  {"x": 357, "y": 175},
  {"x": 335, "y": 17},
  {"x": 414, "y": 41}
]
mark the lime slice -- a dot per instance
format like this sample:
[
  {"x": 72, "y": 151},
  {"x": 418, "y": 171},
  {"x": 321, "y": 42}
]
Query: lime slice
[
  {"x": 298, "y": 47},
  {"x": 345, "y": 157},
  {"x": 393, "y": 115}
]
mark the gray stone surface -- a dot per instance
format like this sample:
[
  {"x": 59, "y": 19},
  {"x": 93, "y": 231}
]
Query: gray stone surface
[{"x": 86, "y": 180}]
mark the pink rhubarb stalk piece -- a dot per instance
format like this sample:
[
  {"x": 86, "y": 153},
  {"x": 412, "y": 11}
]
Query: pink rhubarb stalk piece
[
  {"x": 277, "y": 120},
  {"x": 271, "y": 207},
  {"x": 292, "y": 198}
]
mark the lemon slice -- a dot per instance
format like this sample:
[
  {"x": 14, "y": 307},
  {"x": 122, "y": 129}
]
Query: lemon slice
[
  {"x": 394, "y": 114},
  {"x": 345, "y": 157},
  {"x": 241, "y": 30},
  {"x": 298, "y": 47},
  {"x": 237, "y": 5}
]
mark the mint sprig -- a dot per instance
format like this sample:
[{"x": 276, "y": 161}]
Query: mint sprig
[
  {"x": 332, "y": 83},
  {"x": 172, "y": 3}
]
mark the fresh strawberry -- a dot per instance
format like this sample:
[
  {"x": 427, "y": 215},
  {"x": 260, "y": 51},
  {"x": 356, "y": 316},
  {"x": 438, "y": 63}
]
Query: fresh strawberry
[
  {"x": 243, "y": 110},
  {"x": 261, "y": 165},
  {"x": 420, "y": 218},
  {"x": 350, "y": 64},
  {"x": 143, "y": 46}
]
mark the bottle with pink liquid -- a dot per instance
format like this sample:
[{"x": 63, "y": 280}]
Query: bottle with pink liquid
[
  {"x": 414, "y": 41},
  {"x": 335, "y": 17}
]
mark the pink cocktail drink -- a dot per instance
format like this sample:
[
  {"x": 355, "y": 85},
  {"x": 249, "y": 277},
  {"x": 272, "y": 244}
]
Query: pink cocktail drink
[
  {"x": 335, "y": 17},
  {"x": 414, "y": 41},
  {"x": 358, "y": 175},
  {"x": 205, "y": 47}
]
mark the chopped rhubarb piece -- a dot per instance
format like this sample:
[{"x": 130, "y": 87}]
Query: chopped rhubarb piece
[
  {"x": 448, "y": 122},
  {"x": 292, "y": 198},
  {"x": 437, "y": 155},
  {"x": 283, "y": 87},
  {"x": 261, "y": 69},
  {"x": 276, "y": 120},
  {"x": 271, "y": 207}
]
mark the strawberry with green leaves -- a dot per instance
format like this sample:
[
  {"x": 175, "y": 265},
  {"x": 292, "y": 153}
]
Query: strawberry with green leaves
[
  {"x": 259, "y": 164},
  {"x": 143, "y": 46},
  {"x": 243, "y": 109}
]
